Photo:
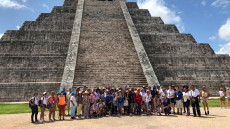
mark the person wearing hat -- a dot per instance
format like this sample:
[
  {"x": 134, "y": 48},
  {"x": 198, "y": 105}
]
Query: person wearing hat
[
  {"x": 43, "y": 106},
  {"x": 73, "y": 105},
  {"x": 86, "y": 104},
  {"x": 61, "y": 104}
]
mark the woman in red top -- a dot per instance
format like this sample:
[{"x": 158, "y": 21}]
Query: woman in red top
[
  {"x": 138, "y": 100},
  {"x": 61, "y": 104},
  {"x": 52, "y": 100}
]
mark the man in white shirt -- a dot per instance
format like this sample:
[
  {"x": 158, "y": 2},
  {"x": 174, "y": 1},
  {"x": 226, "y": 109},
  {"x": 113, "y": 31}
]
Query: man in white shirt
[
  {"x": 195, "y": 100},
  {"x": 73, "y": 104},
  {"x": 34, "y": 107}
]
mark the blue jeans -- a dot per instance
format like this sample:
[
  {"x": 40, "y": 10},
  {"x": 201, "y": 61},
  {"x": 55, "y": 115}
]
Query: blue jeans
[
  {"x": 138, "y": 106},
  {"x": 34, "y": 112},
  {"x": 72, "y": 111}
]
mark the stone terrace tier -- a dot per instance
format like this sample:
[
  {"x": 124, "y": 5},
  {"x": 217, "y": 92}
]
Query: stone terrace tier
[
  {"x": 32, "y": 59},
  {"x": 177, "y": 58},
  {"x": 106, "y": 55}
]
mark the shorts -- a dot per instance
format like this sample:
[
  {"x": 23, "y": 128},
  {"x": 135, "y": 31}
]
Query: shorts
[
  {"x": 205, "y": 100},
  {"x": 171, "y": 100},
  {"x": 222, "y": 98},
  {"x": 132, "y": 105},
  {"x": 179, "y": 104},
  {"x": 43, "y": 105},
  {"x": 148, "y": 106}
]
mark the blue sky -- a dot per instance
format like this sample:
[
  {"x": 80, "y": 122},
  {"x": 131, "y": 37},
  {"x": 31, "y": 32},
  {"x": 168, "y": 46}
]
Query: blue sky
[{"x": 207, "y": 20}]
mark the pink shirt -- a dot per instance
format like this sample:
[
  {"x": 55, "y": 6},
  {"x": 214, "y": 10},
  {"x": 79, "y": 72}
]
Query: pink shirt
[{"x": 92, "y": 98}]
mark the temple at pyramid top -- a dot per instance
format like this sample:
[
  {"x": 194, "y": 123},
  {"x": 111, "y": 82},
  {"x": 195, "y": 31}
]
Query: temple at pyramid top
[{"x": 103, "y": 43}]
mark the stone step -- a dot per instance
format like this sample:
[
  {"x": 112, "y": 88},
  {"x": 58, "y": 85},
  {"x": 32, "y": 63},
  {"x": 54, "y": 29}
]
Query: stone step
[
  {"x": 147, "y": 20},
  {"x": 139, "y": 12},
  {"x": 132, "y": 5},
  {"x": 48, "y": 36},
  {"x": 32, "y": 47},
  {"x": 190, "y": 60},
  {"x": 47, "y": 17},
  {"x": 70, "y": 3},
  {"x": 42, "y": 61},
  {"x": 44, "y": 26},
  {"x": 156, "y": 28},
  {"x": 14, "y": 92},
  {"x": 178, "y": 48},
  {"x": 64, "y": 9},
  {"x": 167, "y": 38},
  {"x": 37, "y": 75}
]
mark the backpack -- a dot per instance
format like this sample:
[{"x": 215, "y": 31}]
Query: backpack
[
  {"x": 40, "y": 101},
  {"x": 32, "y": 102}
]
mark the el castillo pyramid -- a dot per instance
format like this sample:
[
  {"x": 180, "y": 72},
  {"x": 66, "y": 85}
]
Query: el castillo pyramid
[{"x": 103, "y": 43}]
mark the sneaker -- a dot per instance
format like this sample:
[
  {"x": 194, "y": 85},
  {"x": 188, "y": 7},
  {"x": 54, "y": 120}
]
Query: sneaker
[
  {"x": 63, "y": 119},
  {"x": 41, "y": 121},
  {"x": 208, "y": 112},
  {"x": 205, "y": 113},
  {"x": 54, "y": 119},
  {"x": 50, "y": 119}
]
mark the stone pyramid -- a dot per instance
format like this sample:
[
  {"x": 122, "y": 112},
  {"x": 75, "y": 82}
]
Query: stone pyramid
[{"x": 103, "y": 43}]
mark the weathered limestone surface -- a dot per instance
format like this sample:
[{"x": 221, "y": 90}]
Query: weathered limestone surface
[
  {"x": 107, "y": 55},
  {"x": 177, "y": 58},
  {"x": 144, "y": 60},
  {"x": 69, "y": 70},
  {"x": 32, "y": 59}
]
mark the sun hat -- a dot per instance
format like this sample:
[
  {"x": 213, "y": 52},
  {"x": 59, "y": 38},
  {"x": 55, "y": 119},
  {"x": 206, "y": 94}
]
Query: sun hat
[
  {"x": 61, "y": 91},
  {"x": 73, "y": 93},
  {"x": 44, "y": 93}
]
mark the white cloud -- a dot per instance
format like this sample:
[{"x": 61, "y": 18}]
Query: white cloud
[
  {"x": 11, "y": 4},
  {"x": 159, "y": 8},
  {"x": 225, "y": 49},
  {"x": 220, "y": 3},
  {"x": 18, "y": 27},
  {"x": 224, "y": 31},
  {"x": 1, "y": 36},
  {"x": 45, "y": 6},
  {"x": 24, "y": 1},
  {"x": 203, "y": 3},
  {"x": 212, "y": 38}
]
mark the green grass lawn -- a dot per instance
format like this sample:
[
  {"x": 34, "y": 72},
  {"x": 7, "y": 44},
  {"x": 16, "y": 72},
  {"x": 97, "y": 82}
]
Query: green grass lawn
[{"x": 24, "y": 108}]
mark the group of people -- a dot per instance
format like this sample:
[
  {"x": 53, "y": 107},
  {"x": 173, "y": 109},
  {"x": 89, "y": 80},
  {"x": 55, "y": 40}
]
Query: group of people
[{"x": 128, "y": 101}]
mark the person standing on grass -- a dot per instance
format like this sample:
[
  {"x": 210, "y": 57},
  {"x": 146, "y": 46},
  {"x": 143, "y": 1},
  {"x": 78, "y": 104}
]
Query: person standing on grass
[
  {"x": 179, "y": 97},
  {"x": 222, "y": 97},
  {"x": 68, "y": 95},
  {"x": 52, "y": 101},
  {"x": 79, "y": 104},
  {"x": 228, "y": 96},
  {"x": 73, "y": 104},
  {"x": 34, "y": 107},
  {"x": 61, "y": 104},
  {"x": 205, "y": 95},
  {"x": 171, "y": 97},
  {"x": 43, "y": 106},
  {"x": 186, "y": 100},
  {"x": 138, "y": 100},
  {"x": 195, "y": 100}
]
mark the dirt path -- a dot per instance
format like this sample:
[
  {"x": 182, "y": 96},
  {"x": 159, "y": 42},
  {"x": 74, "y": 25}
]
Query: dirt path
[{"x": 218, "y": 118}]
